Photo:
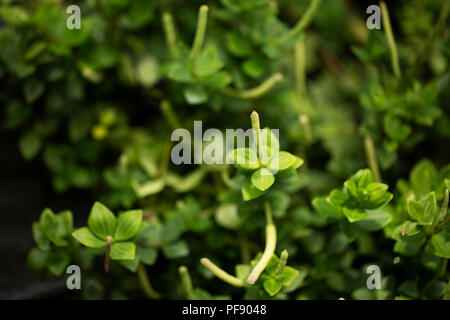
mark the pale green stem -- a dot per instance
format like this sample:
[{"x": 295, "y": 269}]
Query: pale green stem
[
  {"x": 304, "y": 121},
  {"x": 145, "y": 283},
  {"x": 171, "y": 36},
  {"x": 169, "y": 114},
  {"x": 256, "y": 92},
  {"x": 283, "y": 260},
  {"x": 187, "y": 283},
  {"x": 200, "y": 32},
  {"x": 372, "y": 158},
  {"x": 219, "y": 273},
  {"x": 300, "y": 70},
  {"x": 301, "y": 24},
  {"x": 390, "y": 40},
  {"x": 437, "y": 28},
  {"x": 271, "y": 241}
]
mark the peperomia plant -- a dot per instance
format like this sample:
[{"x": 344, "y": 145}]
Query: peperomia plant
[
  {"x": 360, "y": 193},
  {"x": 105, "y": 230},
  {"x": 263, "y": 163},
  {"x": 98, "y": 106}
]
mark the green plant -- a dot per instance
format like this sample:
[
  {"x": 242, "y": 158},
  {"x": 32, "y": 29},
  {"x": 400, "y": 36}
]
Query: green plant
[{"x": 95, "y": 109}]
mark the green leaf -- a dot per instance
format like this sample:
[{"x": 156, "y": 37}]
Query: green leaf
[
  {"x": 101, "y": 221},
  {"x": 207, "y": 62},
  {"x": 65, "y": 223},
  {"x": 254, "y": 68},
  {"x": 378, "y": 195},
  {"x": 245, "y": 158},
  {"x": 30, "y": 144},
  {"x": 325, "y": 208},
  {"x": 242, "y": 271},
  {"x": 49, "y": 224},
  {"x": 33, "y": 89},
  {"x": 272, "y": 286},
  {"x": 176, "y": 250},
  {"x": 147, "y": 71},
  {"x": 128, "y": 224},
  {"x": 178, "y": 72},
  {"x": 440, "y": 245},
  {"x": 123, "y": 251},
  {"x": 375, "y": 220},
  {"x": 424, "y": 211},
  {"x": 284, "y": 161},
  {"x": 337, "y": 197},
  {"x": 249, "y": 191},
  {"x": 423, "y": 177},
  {"x": 57, "y": 262},
  {"x": 262, "y": 179},
  {"x": 37, "y": 259},
  {"x": 39, "y": 237},
  {"x": 237, "y": 44},
  {"x": 430, "y": 209},
  {"x": 226, "y": 215},
  {"x": 131, "y": 265},
  {"x": 147, "y": 255},
  {"x": 87, "y": 238},
  {"x": 415, "y": 209},
  {"x": 354, "y": 214},
  {"x": 195, "y": 95},
  {"x": 288, "y": 276}
]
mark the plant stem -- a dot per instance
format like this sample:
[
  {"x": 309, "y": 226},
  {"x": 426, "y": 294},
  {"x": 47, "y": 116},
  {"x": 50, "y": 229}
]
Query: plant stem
[
  {"x": 221, "y": 274},
  {"x": 434, "y": 32},
  {"x": 390, "y": 39},
  {"x": 300, "y": 70},
  {"x": 187, "y": 283},
  {"x": 169, "y": 114},
  {"x": 372, "y": 158},
  {"x": 304, "y": 121},
  {"x": 108, "y": 253},
  {"x": 145, "y": 283},
  {"x": 283, "y": 260},
  {"x": 271, "y": 240},
  {"x": 440, "y": 222},
  {"x": 171, "y": 36},
  {"x": 255, "y": 92},
  {"x": 200, "y": 32},
  {"x": 301, "y": 24}
]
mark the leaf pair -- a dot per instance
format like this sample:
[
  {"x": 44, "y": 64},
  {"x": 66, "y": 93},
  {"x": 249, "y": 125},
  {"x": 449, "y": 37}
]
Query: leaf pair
[{"x": 102, "y": 223}]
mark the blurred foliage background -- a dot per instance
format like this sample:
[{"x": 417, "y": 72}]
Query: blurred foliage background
[{"x": 93, "y": 110}]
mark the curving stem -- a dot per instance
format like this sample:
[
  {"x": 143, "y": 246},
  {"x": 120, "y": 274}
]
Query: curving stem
[{"x": 271, "y": 241}]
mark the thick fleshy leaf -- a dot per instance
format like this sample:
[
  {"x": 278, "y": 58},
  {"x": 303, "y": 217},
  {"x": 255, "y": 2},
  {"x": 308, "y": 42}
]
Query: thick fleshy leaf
[
  {"x": 283, "y": 161},
  {"x": 245, "y": 158},
  {"x": 101, "y": 221},
  {"x": 440, "y": 245},
  {"x": 123, "y": 251},
  {"x": 128, "y": 225},
  {"x": 262, "y": 179},
  {"x": 87, "y": 238},
  {"x": 354, "y": 214},
  {"x": 249, "y": 191},
  {"x": 272, "y": 286}
]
